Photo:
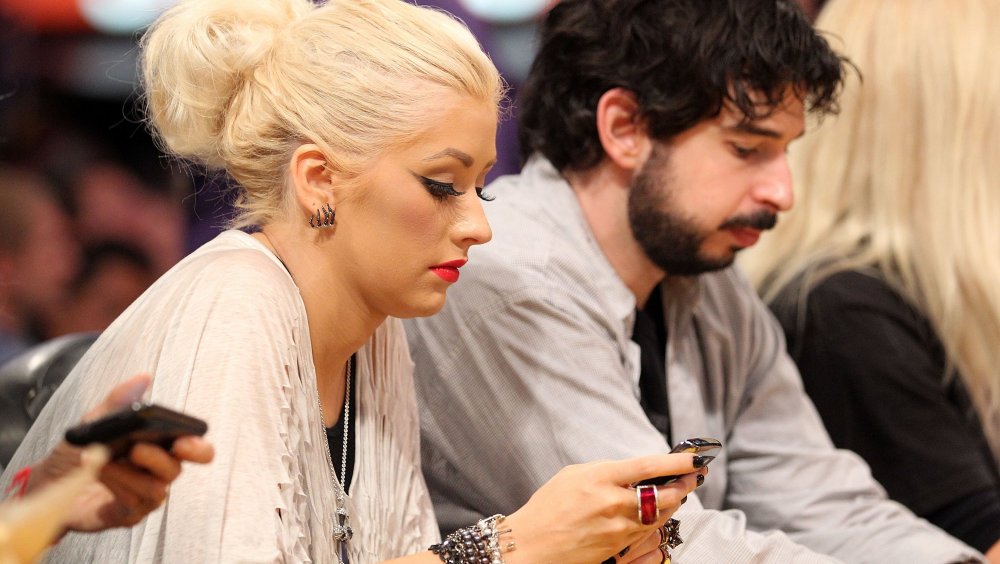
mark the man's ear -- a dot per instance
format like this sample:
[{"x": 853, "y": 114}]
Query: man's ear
[
  {"x": 311, "y": 180},
  {"x": 623, "y": 134}
]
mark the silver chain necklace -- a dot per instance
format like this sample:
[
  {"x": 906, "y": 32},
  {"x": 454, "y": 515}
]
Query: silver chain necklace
[{"x": 342, "y": 531}]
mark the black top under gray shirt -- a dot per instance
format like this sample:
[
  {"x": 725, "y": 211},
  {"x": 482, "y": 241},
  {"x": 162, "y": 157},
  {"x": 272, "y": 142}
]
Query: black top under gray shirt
[
  {"x": 874, "y": 367},
  {"x": 650, "y": 333},
  {"x": 335, "y": 434}
]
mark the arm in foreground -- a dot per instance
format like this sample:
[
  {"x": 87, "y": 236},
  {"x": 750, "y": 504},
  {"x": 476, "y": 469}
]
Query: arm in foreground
[
  {"x": 588, "y": 512},
  {"x": 128, "y": 489}
]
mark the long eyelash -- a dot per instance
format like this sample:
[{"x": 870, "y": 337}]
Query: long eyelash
[{"x": 440, "y": 190}]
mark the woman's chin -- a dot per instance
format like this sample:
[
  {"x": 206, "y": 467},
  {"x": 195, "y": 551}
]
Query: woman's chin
[{"x": 425, "y": 308}]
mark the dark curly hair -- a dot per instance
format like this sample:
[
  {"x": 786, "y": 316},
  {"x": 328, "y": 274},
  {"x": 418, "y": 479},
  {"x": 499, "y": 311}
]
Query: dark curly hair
[{"x": 681, "y": 58}]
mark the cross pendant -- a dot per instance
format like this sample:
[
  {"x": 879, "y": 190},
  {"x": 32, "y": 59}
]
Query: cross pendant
[{"x": 343, "y": 531}]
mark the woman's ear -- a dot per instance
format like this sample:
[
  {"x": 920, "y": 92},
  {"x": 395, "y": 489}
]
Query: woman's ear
[
  {"x": 311, "y": 180},
  {"x": 623, "y": 134}
]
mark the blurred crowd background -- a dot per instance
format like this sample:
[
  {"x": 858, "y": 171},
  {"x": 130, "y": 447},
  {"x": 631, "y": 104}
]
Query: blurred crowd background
[{"x": 90, "y": 212}]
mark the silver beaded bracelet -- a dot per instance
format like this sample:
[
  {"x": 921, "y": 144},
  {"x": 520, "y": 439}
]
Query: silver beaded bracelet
[
  {"x": 477, "y": 544},
  {"x": 490, "y": 528}
]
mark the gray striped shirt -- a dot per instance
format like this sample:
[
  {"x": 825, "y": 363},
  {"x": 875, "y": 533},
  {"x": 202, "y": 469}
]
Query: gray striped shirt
[{"x": 530, "y": 367}]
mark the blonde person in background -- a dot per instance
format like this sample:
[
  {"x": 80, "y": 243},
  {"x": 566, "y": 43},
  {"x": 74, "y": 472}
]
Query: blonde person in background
[
  {"x": 885, "y": 274},
  {"x": 360, "y": 133}
]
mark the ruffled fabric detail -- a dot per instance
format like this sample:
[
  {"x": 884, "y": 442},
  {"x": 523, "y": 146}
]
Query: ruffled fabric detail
[
  {"x": 296, "y": 508},
  {"x": 389, "y": 495},
  {"x": 257, "y": 389}
]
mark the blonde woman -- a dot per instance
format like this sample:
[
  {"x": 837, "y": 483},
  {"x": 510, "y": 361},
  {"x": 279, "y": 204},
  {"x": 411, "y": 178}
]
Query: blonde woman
[
  {"x": 885, "y": 274},
  {"x": 360, "y": 133}
]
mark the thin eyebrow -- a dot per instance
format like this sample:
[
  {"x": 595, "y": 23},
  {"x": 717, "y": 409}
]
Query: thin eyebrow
[{"x": 455, "y": 153}]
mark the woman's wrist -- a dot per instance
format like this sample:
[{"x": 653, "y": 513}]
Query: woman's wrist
[
  {"x": 489, "y": 540},
  {"x": 526, "y": 551}
]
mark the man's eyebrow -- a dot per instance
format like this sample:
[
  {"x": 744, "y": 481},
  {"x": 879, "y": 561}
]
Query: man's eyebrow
[
  {"x": 455, "y": 153},
  {"x": 752, "y": 129}
]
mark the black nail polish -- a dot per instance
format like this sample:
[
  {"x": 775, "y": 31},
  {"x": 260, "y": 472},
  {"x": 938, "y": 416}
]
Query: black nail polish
[
  {"x": 611, "y": 560},
  {"x": 702, "y": 461},
  {"x": 700, "y": 479},
  {"x": 683, "y": 501}
]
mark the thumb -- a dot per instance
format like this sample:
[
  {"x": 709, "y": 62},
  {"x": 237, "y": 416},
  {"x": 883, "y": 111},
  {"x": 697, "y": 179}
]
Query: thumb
[{"x": 122, "y": 395}]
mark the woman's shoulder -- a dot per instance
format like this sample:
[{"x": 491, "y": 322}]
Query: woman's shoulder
[
  {"x": 855, "y": 287},
  {"x": 237, "y": 251},
  {"x": 863, "y": 289},
  {"x": 853, "y": 280},
  {"x": 231, "y": 275},
  {"x": 235, "y": 260},
  {"x": 861, "y": 297}
]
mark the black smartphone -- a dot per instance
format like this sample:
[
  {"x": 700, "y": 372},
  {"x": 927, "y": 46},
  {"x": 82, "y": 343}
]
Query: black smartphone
[
  {"x": 704, "y": 447},
  {"x": 140, "y": 422}
]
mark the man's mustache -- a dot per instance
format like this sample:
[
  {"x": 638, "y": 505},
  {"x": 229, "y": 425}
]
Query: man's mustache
[{"x": 761, "y": 221}]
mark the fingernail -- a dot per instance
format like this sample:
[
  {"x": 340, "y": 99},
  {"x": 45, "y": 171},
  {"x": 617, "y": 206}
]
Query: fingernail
[
  {"x": 702, "y": 461},
  {"x": 700, "y": 479},
  {"x": 683, "y": 501}
]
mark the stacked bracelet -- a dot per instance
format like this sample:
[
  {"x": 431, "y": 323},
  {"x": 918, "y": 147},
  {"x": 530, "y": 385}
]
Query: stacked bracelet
[{"x": 478, "y": 544}]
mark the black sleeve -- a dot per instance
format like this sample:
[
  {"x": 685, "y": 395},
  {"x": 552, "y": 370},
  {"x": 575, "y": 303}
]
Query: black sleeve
[
  {"x": 874, "y": 369},
  {"x": 973, "y": 518}
]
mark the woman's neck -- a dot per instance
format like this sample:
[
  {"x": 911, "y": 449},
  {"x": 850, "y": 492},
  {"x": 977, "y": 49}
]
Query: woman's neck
[{"x": 339, "y": 321}]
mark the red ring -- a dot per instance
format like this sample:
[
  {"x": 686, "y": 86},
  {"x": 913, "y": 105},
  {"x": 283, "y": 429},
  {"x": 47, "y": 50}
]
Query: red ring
[{"x": 649, "y": 510}]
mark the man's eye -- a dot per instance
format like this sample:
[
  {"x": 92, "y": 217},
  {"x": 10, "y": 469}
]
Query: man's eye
[{"x": 743, "y": 152}]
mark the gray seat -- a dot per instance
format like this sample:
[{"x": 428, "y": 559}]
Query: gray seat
[{"x": 28, "y": 381}]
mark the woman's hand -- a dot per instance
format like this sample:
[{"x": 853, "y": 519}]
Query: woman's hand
[
  {"x": 129, "y": 488},
  {"x": 645, "y": 551},
  {"x": 589, "y": 512}
]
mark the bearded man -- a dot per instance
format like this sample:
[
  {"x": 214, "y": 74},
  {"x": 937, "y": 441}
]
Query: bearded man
[{"x": 605, "y": 319}]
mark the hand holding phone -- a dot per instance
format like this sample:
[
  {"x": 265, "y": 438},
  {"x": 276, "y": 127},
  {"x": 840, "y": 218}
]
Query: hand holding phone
[
  {"x": 140, "y": 422},
  {"x": 705, "y": 448}
]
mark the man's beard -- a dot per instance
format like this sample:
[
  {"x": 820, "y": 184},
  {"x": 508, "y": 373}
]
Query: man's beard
[{"x": 671, "y": 239}]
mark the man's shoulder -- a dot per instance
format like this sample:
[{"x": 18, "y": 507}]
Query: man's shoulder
[
  {"x": 726, "y": 308},
  {"x": 532, "y": 242}
]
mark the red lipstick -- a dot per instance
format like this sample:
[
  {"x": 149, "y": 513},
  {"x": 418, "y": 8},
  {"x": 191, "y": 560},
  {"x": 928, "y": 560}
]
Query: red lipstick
[{"x": 448, "y": 271}]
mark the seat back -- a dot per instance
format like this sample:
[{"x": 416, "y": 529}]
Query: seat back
[{"x": 28, "y": 381}]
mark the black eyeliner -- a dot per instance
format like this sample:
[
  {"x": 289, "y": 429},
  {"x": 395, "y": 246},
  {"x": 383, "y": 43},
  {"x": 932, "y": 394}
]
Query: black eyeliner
[
  {"x": 438, "y": 189},
  {"x": 441, "y": 190}
]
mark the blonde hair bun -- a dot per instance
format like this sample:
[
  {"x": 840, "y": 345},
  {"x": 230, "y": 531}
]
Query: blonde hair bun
[
  {"x": 238, "y": 85},
  {"x": 196, "y": 58}
]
